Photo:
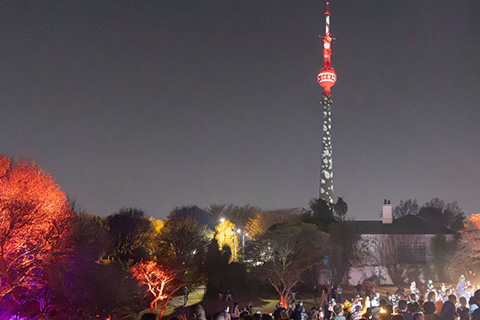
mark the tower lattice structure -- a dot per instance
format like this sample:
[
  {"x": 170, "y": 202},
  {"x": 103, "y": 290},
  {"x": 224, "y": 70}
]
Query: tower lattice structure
[{"x": 327, "y": 78}]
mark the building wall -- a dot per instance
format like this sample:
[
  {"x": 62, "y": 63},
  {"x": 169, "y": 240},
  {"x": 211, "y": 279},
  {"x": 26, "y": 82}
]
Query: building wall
[{"x": 371, "y": 262}]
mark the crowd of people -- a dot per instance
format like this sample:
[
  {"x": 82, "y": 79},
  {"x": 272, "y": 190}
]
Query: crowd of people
[{"x": 459, "y": 302}]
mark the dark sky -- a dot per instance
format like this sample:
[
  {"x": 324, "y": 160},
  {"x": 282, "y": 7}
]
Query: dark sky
[{"x": 157, "y": 104}]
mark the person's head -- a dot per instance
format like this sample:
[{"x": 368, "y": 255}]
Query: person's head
[
  {"x": 448, "y": 310},
  {"x": 410, "y": 307},
  {"x": 463, "y": 301},
  {"x": 338, "y": 310},
  {"x": 429, "y": 307},
  {"x": 197, "y": 312},
  {"x": 266, "y": 316},
  {"x": 452, "y": 298},
  {"x": 402, "y": 305},
  {"x": 448, "y": 291},
  {"x": 416, "y": 306},
  {"x": 432, "y": 296},
  {"x": 398, "y": 317},
  {"x": 413, "y": 297},
  {"x": 418, "y": 316},
  {"x": 149, "y": 316}
]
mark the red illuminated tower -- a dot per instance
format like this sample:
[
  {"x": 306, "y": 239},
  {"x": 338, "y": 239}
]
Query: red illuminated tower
[{"x": 327, "y": 78}]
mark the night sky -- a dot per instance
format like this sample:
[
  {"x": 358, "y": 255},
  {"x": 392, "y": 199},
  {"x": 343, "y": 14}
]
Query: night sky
[{"x": 157, "y": 104}]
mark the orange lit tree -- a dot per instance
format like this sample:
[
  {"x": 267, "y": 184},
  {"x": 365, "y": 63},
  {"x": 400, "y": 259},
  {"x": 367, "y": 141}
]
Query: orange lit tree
[
  {"x": 467, "y": 252},
  {"x": 34, "y": 225},
  {"x": 226, "y": 235},
  {"x": 159, "y": 280},
  {"x": 475, "y": 219}
]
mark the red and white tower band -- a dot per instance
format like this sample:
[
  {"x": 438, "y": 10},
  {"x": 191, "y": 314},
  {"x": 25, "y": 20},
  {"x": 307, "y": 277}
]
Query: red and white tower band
[{"x": 327, "y": 78}]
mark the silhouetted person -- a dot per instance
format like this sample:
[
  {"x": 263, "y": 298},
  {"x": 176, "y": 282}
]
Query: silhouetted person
[
  {"x": 449, "y": 311},
  {"x": 197, "y": 312},
  {"x": 402, "y": 305}
]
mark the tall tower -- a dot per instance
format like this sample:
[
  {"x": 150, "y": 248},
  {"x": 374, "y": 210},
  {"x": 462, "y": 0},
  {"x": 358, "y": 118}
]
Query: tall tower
[{"x": 327, "y": 78}]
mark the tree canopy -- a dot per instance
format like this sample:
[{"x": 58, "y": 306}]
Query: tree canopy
[
  {"x": 286, "y": 251},
  {"x": 35, "y": 222}
]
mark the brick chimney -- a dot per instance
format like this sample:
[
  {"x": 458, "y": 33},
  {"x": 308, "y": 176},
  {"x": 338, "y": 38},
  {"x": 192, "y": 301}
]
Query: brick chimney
[{"x": 387, "y": 216}]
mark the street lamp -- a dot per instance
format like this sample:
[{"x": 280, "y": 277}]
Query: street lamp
[
  {"x": 239, "y": 231},
  {"x": 234, "y": 247}
]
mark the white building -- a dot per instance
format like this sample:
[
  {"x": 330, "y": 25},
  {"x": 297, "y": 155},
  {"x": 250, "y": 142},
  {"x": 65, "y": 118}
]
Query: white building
[{"x": 391, "y": 243}]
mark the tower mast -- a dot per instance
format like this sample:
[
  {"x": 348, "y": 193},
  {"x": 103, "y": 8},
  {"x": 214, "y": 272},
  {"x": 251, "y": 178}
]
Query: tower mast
[{"x": 327, "y": 78}]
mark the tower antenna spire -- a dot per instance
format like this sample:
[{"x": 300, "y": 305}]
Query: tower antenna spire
[{"x": 327, "y": 78}]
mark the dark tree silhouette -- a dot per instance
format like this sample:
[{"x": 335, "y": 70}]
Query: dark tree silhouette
[
  {"x": 285, "y": 252},
  {"x": 320, "y": 213},
  {"x": 340, "y": 209},
  {"x": 132, "y": 233},
  {"x": 181, "y": 245},
  {"x": 195, "y": 213},
  {"x": 407, "y": 207},
  {"x": 447, "y": 215},
  {"x": 343, "y": 241}
]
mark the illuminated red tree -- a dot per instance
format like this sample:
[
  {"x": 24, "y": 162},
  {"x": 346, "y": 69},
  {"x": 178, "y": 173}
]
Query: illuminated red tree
[
  {"x": 159, "y": 280},
  {"x": 34, "y": 224},
  {"x": 475, "y": 219}
]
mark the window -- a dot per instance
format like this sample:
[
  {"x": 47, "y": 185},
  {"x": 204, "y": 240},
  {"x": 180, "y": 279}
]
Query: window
[{"x": 411, "y": 252}]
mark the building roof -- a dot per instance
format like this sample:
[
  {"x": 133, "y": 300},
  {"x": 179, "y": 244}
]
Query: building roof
[{"x": 408, "y": 224}]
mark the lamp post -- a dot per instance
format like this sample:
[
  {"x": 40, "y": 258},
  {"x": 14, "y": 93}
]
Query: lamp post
[
  {"x": 235, "y": 254},
  {"x": 239, "y": 231},
  {"x": 234, "y": 247}
]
